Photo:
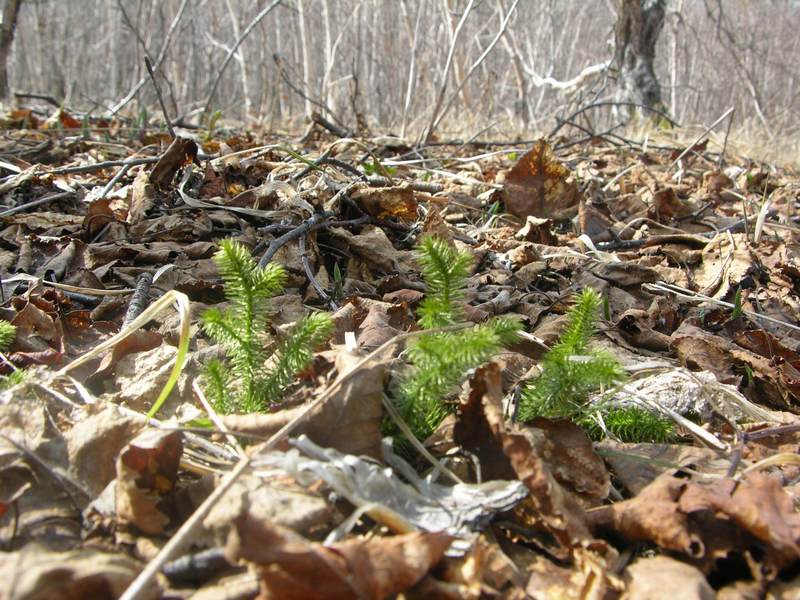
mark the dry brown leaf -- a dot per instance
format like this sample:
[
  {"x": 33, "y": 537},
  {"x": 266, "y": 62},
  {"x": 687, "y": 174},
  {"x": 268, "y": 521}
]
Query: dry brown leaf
[
  {"x": 666, "y": 206},
  {"x": 140, "y": 340},
  {"x": 375, "y": 330},
  {"x": 349, "y": 421},
  {"x": 385, "y": 202},
  {"x": 708, "y": 519},
  {"x": 374, "y": 247},
  {"x": 435, "y": 225},
  {"x": 539, "y": 231},
  {"x": 142, "y": 198},
  {"x": 785, "y": 362},
  {"x": 147, "y": 469},
  {"x": 636, "y": 327},
  {"x": 277, "y": 500},
  {"x": 761, "y": 507},
  {"x": 291, "y": 567},
  {"x": 37, "y": 573},
  {"x": 537, "y": 185},
  {"x": 698, "y": 349},
  {"x": 95, "y": 441},
  {"x": 588, "y": 579},
  {"x": 637, "y": 465},
  {"x": 664, "y": 578},
  {"x": 570, "y": 456},
  {"x": 179, "y": 153},
  {"x": 653, "y": 516},
  {"x": 482, "y": 429},
  {"x": 593, "y": 223}
]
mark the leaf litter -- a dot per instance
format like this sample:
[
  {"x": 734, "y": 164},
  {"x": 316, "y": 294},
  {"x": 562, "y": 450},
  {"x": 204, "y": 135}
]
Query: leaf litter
[{"x": 119, "y": 480}]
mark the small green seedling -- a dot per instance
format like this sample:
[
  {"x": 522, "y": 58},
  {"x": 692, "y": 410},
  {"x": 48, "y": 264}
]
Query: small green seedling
[
  {"x": 248, "y": 382},
  {"x": 7, "y": 334},
  {"x": 440, "y": 360},
  {"x": 737, "y": 305},
  {"x": 571, "y": 372}
]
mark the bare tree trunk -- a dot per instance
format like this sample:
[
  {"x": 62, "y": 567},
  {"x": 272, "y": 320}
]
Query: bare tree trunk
[
  {"x": 638, "y": 24},
  {"x": 7, "y": 29}
]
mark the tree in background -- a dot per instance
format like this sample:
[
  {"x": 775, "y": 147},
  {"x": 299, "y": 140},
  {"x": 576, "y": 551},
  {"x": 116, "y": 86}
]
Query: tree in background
[
  {"x": 639, "y": 22},
  {"x": 7, "y": 29}
]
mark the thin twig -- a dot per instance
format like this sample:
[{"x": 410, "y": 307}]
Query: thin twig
[
  {"x": 35, "y": 203},
  {"x": 103, "y": 165},
  {"x": 279, "y": 65},
  {"x": 149, "y": 66},
  {"x": 448, "y": 64},
  {"x": 721, "y": 159},
  {"x": 475, "y": 65},
  {"x": 323, "y": 295},
  {"x": 700, "y": 137},
  {"x": 45, "y": 97},
  {"x": 314, "y": 222},
  {"x": 609, "y": 103}
]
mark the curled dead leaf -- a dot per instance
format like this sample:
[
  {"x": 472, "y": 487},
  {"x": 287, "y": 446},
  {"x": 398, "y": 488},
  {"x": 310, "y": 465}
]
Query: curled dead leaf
[{"x": 291, "y": 567}]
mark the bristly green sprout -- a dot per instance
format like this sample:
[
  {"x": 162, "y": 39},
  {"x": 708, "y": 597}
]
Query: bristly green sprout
[
  {"x": 571, "y": 372},
  {"x": 7, "y": 334},
  {"x": 250, "y": 383},
  {"x": 441, "y": 360}
]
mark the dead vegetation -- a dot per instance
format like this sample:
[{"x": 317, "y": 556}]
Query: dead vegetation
[{"x": 694, "y": 251}]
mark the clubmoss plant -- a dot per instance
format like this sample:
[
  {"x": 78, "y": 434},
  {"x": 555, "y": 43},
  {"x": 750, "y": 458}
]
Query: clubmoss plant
[
  {"x": 571, "y": 372},
  {"x": 441, "y": 360},
  {"x": 629, "y": 424},
  {"x": 247, "y": 383},
  {"x": 7, "y": 334}
]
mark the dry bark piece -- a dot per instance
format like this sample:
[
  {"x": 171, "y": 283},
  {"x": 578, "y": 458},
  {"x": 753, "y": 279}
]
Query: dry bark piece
[
  {"x": 291, "y": 567},
  {"x": 537, "y": 185},
  {"x": 142, "y": 198}
]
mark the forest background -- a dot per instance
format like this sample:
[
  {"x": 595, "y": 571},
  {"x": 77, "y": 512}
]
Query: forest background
[{"x": 387, "y": 61}]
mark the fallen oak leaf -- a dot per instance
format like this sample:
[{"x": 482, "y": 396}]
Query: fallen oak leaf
[
  {"x": 706, "y": 519},
  {"x": 509, "y": 451},
  {"x": 292, "y": 567},
  {"x": 537, "y": 185}
]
